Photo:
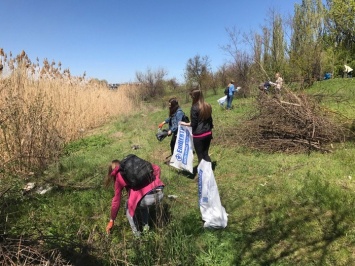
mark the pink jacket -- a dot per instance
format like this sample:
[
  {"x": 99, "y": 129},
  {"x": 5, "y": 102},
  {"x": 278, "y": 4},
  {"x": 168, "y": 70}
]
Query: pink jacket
[{"x": 134, "y": 196}]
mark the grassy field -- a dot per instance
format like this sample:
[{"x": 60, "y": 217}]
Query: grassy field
[{"x": 283, "y": 209}]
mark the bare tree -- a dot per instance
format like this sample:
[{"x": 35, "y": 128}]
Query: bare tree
[
  {"x": 221, "y": 76},
  {"x": 173, "y": 84},
  {"x": 152, "y": 82},
  {"x": 240, "y": 66},
  {"x": 198, "y": 69}
]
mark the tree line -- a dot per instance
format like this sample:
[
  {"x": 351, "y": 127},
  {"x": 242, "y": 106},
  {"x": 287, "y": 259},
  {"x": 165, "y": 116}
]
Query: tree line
[{"x": 317, "y": 39}]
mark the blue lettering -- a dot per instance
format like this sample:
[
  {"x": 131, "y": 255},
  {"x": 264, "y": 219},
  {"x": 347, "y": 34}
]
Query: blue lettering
[
  {"x": 181, "y": 140},
  {"x": 200, "y": 172},
  {"x": 187, "y": 148}
]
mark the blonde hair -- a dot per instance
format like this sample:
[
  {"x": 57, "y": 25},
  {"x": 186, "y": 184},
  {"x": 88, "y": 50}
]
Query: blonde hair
[{"x": 109, "y": 178}]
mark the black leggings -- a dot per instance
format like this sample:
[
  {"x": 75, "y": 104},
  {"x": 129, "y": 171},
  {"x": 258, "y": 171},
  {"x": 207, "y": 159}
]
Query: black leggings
[
  {"x": 202, "y": 145},
  {"x": 172, "y": 143}
]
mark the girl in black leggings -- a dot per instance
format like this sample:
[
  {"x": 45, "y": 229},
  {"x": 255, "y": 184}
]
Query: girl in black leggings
[{"x": 201, "y": 123}]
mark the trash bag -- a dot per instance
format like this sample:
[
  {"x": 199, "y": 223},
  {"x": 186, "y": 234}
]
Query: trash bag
[
  {"x": 161, "y": 134},
  {"x": 222, "y": 100},
  {"x": 213, "y": 213},
  {"x": 183, "y": 157}
]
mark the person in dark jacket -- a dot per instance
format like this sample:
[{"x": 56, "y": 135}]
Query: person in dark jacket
[
  {"x": 175, "y": 116},
  {"x": 201, "y": 123}
]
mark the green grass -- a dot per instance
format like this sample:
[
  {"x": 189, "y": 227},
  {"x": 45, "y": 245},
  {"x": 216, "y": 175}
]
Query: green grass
[
  {"x": 337, "y": 94},
  {"x": 283, "y": 209}
]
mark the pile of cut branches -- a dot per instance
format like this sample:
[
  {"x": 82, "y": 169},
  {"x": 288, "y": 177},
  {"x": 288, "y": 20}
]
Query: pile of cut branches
[{"x": 291, "y": 123}]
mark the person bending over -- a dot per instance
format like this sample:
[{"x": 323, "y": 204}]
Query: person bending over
[{"x": 141, "y": 199}]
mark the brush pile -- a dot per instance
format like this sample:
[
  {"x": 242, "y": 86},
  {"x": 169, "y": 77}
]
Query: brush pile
[
  {"x": 21, "y": 252},
  {"x": 291, "y": 123}
]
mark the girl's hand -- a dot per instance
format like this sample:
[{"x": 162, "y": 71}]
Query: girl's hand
[
  {"x": 184, "y": 123},
  {"x": 109, "y": 226}
]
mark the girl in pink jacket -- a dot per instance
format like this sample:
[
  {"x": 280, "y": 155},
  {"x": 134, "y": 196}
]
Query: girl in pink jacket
[{"x": 142, "y": 198}]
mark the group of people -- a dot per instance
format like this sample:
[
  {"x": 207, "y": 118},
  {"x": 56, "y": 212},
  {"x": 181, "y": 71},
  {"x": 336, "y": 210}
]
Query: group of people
[
  {"x": 201, "y": 123},
  {"x": 141, "y": 200}
]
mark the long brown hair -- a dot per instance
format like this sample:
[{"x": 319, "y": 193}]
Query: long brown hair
[
  {"x": 109, "y": 178},
  {"x": 174, "y": 105},
  {"x": 205, "y": 108}
]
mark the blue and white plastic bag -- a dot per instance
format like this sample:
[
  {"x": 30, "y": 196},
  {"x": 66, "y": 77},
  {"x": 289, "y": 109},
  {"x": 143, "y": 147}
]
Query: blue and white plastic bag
[
  {"x": 213, "y": 213},
  {"x": 182, "y": 157}
]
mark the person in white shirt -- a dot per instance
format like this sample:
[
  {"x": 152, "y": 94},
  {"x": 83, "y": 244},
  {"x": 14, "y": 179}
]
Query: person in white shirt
[
  {"x": 278, "y": 83},
  {"x": 348, "y": 70}
]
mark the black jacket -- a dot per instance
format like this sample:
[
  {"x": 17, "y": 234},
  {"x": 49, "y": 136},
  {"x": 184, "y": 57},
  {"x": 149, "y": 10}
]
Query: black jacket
[{"x": 199, "y": 126}]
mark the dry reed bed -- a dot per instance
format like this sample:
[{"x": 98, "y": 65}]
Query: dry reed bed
[
  {"x": 40, "y": 110},
  {"x": 39, "y": 114}
]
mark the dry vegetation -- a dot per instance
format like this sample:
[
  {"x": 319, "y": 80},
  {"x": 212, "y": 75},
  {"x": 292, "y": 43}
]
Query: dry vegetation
[
  {"x": 41, "y": 108},
  {"x": 291, "y": 123},
  {"x": 21, "y": 252}
]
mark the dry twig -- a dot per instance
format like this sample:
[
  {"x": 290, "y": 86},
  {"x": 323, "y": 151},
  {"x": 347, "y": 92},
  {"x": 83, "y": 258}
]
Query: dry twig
[{"x": 21, "y": 252}]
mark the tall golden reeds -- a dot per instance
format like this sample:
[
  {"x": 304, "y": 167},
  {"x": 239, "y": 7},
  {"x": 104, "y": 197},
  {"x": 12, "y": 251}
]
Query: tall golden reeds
[{"x": 43, "y": 108}]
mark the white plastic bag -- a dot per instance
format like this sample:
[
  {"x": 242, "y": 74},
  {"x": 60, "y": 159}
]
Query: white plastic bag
[
  {"x": 182, "y": 157},
  {"x": 212, "y": 211},
  {"x": 222, "y": 100}
]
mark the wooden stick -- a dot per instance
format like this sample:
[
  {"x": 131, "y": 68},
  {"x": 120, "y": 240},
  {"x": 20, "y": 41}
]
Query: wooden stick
[{"x": 295, "y": 104}]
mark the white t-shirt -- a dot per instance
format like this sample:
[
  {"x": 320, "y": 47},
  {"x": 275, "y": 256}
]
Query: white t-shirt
[{"x": 348, "y": 69}]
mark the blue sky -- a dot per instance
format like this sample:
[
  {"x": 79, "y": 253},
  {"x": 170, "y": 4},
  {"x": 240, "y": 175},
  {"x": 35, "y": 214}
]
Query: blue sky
[{"x": 113, "y": 39}]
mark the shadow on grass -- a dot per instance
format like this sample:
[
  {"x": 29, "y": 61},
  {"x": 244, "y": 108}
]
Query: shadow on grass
[
  {"x": 174, "y": 245},
  {"x": 193, "y": 175},
  {"x": 284, "y": 241},
  {"x": 159, "y": 216},
  {"x": 83, "y": 257},
  {"x": 300, "y": 231},
  {"x": 97, "y": 253}
]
